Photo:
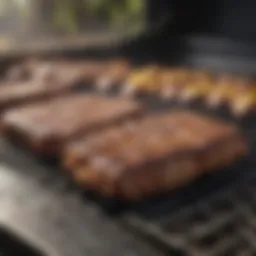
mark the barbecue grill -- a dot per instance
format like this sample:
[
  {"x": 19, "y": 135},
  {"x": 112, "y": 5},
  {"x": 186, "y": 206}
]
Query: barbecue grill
[{"x": 43, "y": 213}]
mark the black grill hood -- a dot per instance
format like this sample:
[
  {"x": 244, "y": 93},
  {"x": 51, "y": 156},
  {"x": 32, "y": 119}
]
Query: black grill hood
[{"x": 220, "y": 27}]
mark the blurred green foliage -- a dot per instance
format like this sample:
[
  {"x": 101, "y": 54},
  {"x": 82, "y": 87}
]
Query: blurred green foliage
[
  {"x": 74, "y": 15},
  {"x": 71, "y": 14}
]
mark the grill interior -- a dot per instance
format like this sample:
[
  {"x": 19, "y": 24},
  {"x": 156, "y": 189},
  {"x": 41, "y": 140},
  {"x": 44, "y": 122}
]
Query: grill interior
[{"x": 213, "y": 216}]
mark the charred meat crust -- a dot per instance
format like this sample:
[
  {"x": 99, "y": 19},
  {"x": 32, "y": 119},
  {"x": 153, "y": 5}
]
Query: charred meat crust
[
  {"x": 112, "y": 175},
  {"x": 153, "y": 178},
  {"x": 46, "y": 127}
]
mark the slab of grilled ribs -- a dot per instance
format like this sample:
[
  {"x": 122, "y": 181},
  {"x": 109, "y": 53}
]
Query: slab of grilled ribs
[
  {"x": 149, "y": 157},
  {"x": 50, "y": 80},
  {"x": 114, "y": 75},
  {"x": 47, "y": 126},
  {"x": 34, "y": 68}
]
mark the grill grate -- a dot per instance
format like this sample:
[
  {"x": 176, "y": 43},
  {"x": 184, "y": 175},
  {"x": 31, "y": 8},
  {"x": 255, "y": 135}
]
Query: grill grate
[
  {"x": 215, "y": 216},
  {"x": 220, "y": 224}
]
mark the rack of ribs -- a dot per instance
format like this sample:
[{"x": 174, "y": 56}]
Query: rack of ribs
[
  {"x": 115, "y": 73},
  {"x": 154, "y": 155},
  {"x": 49, "y": 81},
  {"x": 47, "y": 126}
]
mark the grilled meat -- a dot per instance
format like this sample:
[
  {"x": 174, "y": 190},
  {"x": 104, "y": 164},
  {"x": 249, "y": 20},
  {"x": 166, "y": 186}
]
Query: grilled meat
[
  {"x": 199, "y": 86},
  {"x": 22, "y": 71},
  {"x": 85, "y": 71},
  {"x": 77, "y": 153},
  {"x": 177, "y": 83},
  {"x": 221, "y": 92},
  {"x": 115, "y": 73},
  {"x": 173, "y": 82},
  {"x": 149, "y": 160},
  {"x": 46, "y": 127},
  {"x": 34, "y": 69},
  {"x": 54, "y": 84},
  {"x": 243, "y": 98},
  {"x": 11, "y": 96},
  {"x": 145, "y": 80}
]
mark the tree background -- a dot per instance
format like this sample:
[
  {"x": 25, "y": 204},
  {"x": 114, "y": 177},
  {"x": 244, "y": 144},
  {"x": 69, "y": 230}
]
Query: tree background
[{"x": 70, "y": 16}]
